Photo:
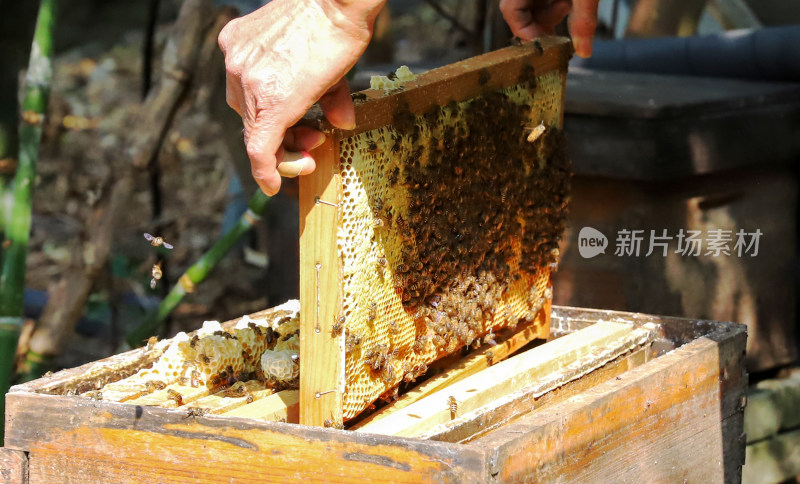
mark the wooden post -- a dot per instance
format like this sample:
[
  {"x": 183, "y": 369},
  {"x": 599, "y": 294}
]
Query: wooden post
[{"x": 321, "y": 349}]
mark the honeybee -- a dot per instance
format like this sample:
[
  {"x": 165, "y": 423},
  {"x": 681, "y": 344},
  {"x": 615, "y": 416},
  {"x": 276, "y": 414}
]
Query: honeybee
[
  {"x": 195, "y": 380},
  {"x": 193, "y": 341},
  {"x": 358, "y": 96},
  {"x": 378, "y": 222},
  {"x": 394, "y": 328},
  {"x": 250, "y": 398},
  {"x": 338, "y": 325},
  {"x": 419, "y": 343},
  {"x": 157, "y": 241},
  {"x": 151, "y": 342},
  {"x": 270, "y": 335},
  {"x": 373, "y": 311},
  {"x": 453, "y": 404},
  {"x": 372, "y": 146},
  {"x": 205, "y": 358},
  {"x": 196, "y": 412},
  {"x": 156, "y": 273},
  {"x": 489, "y": 338},
  {"x": 536, "y": 132},
  {"x": 236, "y": 391},
  {"x": 153, "y": 385},
  {"x": 175, "y": 397},
  {"x": 382, "y": 262},
  {"x": 95, "y": 395}
]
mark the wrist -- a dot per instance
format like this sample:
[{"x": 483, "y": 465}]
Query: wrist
[{"x": 355, "y": 17}]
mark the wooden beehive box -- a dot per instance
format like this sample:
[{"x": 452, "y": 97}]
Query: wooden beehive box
[
  {"x": 669, "y": 412},
  {"x": 434, "y": 222}
]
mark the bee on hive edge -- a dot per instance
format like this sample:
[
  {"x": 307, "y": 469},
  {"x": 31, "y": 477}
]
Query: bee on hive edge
[
  {"x": 338, "y": 325},
  {"x": 151, "y": 342},
  {"x": 196, "y": 412},
  {"x": 157, "y": 241},
  {"x": 175, "y": 397},
  {"x": 156, "y": 272}
]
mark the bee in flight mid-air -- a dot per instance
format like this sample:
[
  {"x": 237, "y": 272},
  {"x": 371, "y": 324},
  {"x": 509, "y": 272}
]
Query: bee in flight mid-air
[
  {"x": 156, "y": 273},
  {"x": 156, "y": 241}
]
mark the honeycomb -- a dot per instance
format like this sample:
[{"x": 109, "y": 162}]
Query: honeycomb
[
  {"x": 264, "y": 347},
  {"x": 449, "y": 227}
]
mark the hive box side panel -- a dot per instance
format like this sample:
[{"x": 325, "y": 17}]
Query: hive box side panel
[
  {"x": 676, "y": 419},
  {"x": 73, "y": 441}
]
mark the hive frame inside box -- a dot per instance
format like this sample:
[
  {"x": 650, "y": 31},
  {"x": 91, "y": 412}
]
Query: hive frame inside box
[
  {"x": 327, "y": 370},
  {"x": 677, "y": 417}
]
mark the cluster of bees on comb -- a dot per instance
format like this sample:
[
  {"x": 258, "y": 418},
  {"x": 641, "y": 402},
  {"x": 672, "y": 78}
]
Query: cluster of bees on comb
[{"x": 487, "y": 202}]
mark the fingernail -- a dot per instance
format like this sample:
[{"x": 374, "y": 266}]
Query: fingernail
[
  {"x": 583, "y": 46},
  {"x": 349, "y": 121},
  {"x": 320, "y": 139}
]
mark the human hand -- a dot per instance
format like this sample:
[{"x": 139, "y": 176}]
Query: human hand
[
  {"x": 532, "y": 18},
  {"x": 279, "y": 61}
]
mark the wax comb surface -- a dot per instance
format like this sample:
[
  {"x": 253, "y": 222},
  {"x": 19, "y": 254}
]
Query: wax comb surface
[{"x": 445, "y": 213}]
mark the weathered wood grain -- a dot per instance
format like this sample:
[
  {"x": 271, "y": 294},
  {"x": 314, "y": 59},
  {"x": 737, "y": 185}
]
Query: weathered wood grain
[
  {"x": 661, "y": 422},
  {"x": 321, "y": 349},
  {"x": 13, "y": 466},
  {"x": 78, "y": 440},
  {"x": 455, "y": 82}
]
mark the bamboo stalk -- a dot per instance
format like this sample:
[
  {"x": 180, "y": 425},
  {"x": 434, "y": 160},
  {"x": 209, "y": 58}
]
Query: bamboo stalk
[
  {"x": 18, "y": 228},
  {"x": 198, "y": 272}
]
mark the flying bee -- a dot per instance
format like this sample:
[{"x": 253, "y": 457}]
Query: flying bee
[
  {"x": 453, "y": 404},
  {"x": 536, "y": 132},
  {"x": 175, "y": 397},
  {"x": 156, "y": 273},
  {"x": 157, "y": 241},
  {"x": 489, "y": 338}
]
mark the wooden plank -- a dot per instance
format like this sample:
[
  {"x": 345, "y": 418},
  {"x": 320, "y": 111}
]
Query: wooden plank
[
  {"x": 490, "y": 417},
  {"x": 13, "y": 466},
  {"x": 281, "y": 407},
  {"x": 498, "y": 380},
  {"x": 455, "y": 82},
  {"x": 321, "y": 348},
  {"x": 776, "y": 459},
  {"x": 665, "y": 421},
  {"x": 78, "y": 440},
  {"x": 464, "y": 367},
  {"x": 162, "y": 398},
  {"x": 232, "y": 398}
]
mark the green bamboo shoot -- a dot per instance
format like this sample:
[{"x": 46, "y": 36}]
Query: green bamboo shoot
[{"x": 18, "y": 228}]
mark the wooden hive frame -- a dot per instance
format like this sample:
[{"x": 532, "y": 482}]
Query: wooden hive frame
[{"x": 322, "y": 342}]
